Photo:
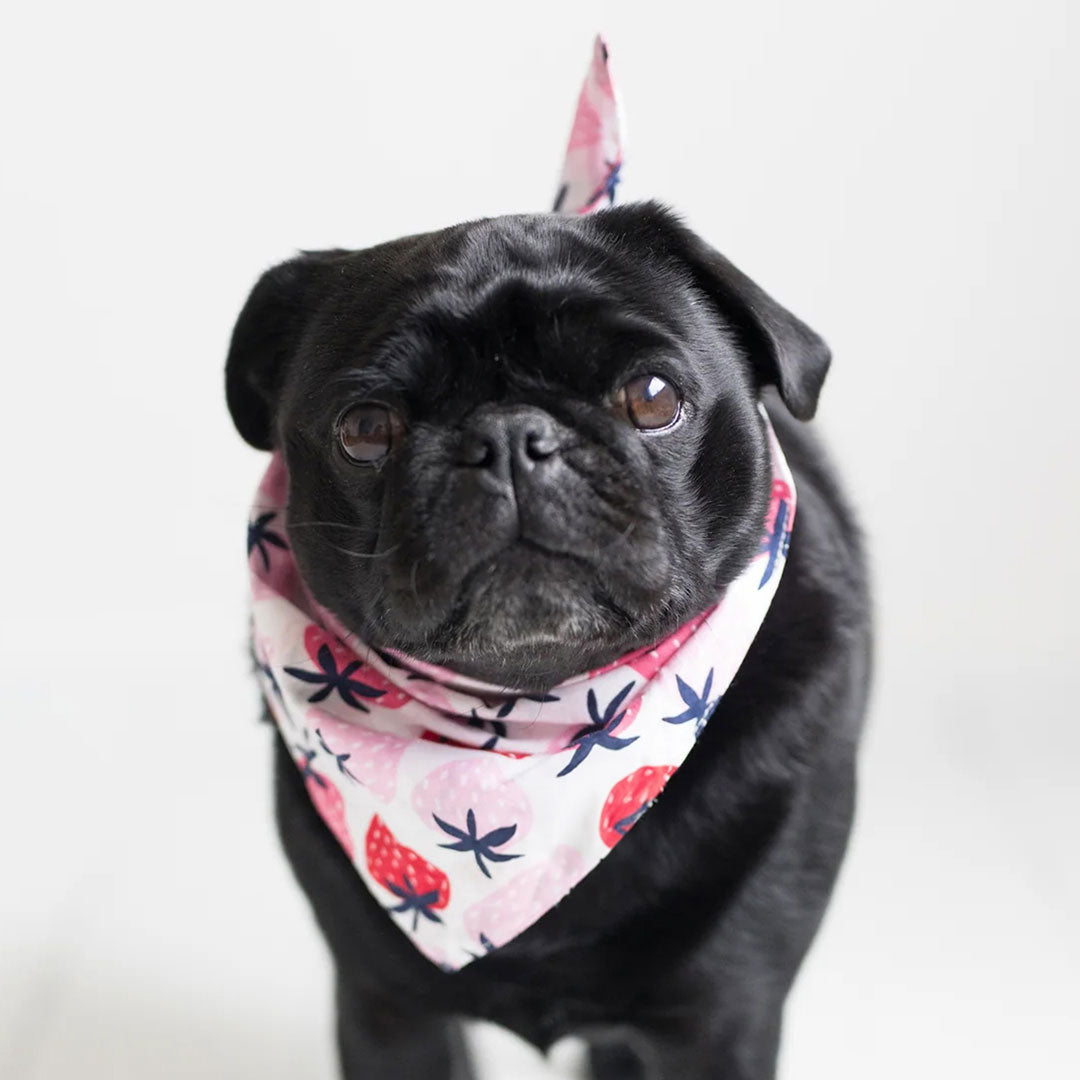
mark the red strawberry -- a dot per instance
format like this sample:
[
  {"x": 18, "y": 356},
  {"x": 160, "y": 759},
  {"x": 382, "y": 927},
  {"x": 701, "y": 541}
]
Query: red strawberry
[
  {"x": 419, "y": 886},
  {"x": 315, "y": 637},
  {"x": 327, "y": 800},
  {"x": 435, "y": 737},
  {"x": 629, "y": 799},
  {"x": 650, "y": 659},
  {"x": 781, "y": 489},
  {"x": 394, "y": 697}
]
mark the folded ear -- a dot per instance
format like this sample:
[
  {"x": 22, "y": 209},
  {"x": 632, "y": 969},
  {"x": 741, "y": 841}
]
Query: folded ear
[
  {"x": 266, "y": 335},
  {"x": 786, "y": 353}
]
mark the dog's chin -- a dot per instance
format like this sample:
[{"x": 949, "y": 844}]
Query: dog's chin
[{"x": 530, "y": 619}]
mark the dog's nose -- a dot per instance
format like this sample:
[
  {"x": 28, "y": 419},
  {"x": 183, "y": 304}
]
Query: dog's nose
[{"x": 510, "y": 443}]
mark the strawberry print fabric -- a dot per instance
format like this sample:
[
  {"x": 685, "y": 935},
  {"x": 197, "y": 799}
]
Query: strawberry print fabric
[
  {"x": 470, "y": 810},
  {"x": 593, "y": 164}
]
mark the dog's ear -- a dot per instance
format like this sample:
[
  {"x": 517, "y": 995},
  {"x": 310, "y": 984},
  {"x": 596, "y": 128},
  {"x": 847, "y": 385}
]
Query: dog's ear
[
  {"x": 265, "y": 336},
  {"x": 785, "y": 352}
]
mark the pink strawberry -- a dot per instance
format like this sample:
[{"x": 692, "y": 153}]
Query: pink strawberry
[
  {"x": 327, "y": 800},
  {"x": 518, "y": 904},
  {"x": 274, "y": 486},
  {"x": 366, "y": 756},
  {"x": 588, "y": 127},
  {"x": 315, "y": 637},
  {"x": 476, "y": 806},
  {"x": 629, "y": 799},
  {"x": 273, "y": 570},
  {"x": 419, "y": 886}
]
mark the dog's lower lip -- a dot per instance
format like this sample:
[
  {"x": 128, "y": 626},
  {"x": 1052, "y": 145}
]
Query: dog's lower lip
[
  {"x": 490, "y": 564},
  {"x": 529, "y": 544}
]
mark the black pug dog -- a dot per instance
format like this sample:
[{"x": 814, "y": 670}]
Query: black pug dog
[{"x": 546, "y": 430}]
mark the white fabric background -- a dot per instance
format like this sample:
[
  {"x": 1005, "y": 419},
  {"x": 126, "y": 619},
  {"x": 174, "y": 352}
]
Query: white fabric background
[{"x": 904, "y": 176}]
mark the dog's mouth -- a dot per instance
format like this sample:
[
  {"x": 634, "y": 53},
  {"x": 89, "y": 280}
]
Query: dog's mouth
[
  {"x": 529, "y": 593},
  {"x": 521, "y": 602},
  {"x": 529, "y": 615}
]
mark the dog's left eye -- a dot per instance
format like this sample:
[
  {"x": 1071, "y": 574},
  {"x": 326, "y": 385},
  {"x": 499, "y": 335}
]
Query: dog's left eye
[
  {"x": 368, "y": 432},
  {"x": 650, "y": 402}
]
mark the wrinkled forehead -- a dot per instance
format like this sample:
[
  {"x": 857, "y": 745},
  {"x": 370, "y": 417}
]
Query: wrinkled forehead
[
  {"x": 534, "y": 299},
  {"x": 563, "y": 260}
]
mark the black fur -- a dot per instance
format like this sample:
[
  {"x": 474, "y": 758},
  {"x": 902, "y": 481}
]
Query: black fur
[{"x": 674, "y": 956}]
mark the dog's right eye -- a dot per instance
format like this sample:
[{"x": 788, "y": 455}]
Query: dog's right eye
[
  {"x": 368, "y": 432},
  {"x": 650, "y": 402}
]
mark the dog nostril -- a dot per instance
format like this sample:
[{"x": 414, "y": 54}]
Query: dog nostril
[
  {"x": 540, "y": 445},
  {"x": 476, "y": 451}
]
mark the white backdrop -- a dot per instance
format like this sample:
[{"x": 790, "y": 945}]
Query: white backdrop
[{"x": 904, "y": 176}]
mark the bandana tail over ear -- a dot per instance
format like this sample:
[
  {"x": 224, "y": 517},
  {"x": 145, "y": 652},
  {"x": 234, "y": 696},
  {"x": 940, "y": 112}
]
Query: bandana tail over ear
[{"x": 592, "y": 169}]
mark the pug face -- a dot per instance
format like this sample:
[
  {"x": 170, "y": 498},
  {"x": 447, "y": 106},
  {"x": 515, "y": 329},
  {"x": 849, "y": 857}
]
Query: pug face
[{"x": 520, "y": 447}]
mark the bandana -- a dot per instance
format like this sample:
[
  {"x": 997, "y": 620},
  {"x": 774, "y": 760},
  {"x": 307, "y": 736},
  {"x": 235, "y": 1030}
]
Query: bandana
[{"x": 470, "y": 810}]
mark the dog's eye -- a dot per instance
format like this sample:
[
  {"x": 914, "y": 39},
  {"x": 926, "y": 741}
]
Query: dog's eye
[
  {"x": 368, "y": 432},
  {"x": 650, "y": 402}
]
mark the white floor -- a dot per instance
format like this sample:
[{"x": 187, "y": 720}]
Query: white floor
[{"x": 150, "y": 928}]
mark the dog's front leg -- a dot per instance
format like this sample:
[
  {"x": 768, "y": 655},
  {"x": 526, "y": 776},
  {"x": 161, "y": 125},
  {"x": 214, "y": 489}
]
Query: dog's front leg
[
  {"x": 739, "y": 1043},
  {"x": 382, "y": 1041},
  {"x": 743, "y": 1046},
  {"x": 616, "y": 1061}
]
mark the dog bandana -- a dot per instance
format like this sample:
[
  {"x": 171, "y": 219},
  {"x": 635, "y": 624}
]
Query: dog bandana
[{"x": 470, "y": 810}]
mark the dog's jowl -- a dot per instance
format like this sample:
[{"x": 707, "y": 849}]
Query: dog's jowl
[{"x": 561, "y": 620}]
